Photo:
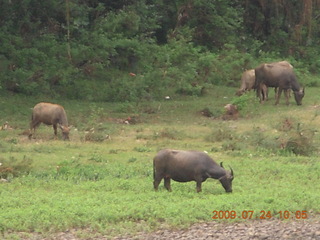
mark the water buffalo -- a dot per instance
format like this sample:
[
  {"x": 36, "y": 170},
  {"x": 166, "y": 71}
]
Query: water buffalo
[
  {"x": 186, "y": 166},
  {"x": 248, "y": 79},
  {"x": 279, "y": 75},
  {"x": 284, "y": 64},
  {"x": 49, "y": 114}
]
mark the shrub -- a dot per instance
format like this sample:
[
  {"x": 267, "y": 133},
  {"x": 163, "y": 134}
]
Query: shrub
[
  {"x": 242, "y": 101},
  {"x": 168, "y": 133},
  {"x": 295, "y": 137},
  {"x": 96, "y": 136},
  {"x": 300, "y": 141},
  {"x": 189, "y": 89},
  {"x": 13, "y": 167},
  {"x": 229, "y": 65},
  {"x": 221, "y": 133},
  {"x": 97, "y": 158}
]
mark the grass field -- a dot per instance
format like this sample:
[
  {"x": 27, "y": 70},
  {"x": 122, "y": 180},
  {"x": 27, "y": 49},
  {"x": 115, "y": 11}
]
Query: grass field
[{"x": 100, "y": 182}]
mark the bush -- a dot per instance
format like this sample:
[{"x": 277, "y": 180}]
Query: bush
[
  {"x": 188, "y": 89},
  {"x": 242, "y": 101},
  {"x": 169, "y": 134},
  {"x": 96, "y": 136},
  {"x": 229, "y": 65},
  {"x": 300, "y": 141},
  {"x": 13, "y": 167},
  {"x": 221, "y": 133}
]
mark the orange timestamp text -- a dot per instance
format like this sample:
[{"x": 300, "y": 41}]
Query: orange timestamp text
[{"x": 250, "y": 214}]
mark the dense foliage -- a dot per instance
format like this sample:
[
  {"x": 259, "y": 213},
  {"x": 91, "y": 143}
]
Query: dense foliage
[{"x": 130, "y": 50}]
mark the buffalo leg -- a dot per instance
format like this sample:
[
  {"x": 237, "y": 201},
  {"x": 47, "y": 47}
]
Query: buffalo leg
[
  {"x": 287, "y": 93},
  {"x": 156, "y": 182},
  {"x": 278, "y": 95},
  {"x": 199, "y": 186},
  {"x": 33, "y": 126},
  {"x": 259, "y": 94},
  {"x": 265, "y": 93},
  {"x": 167, "y": 184},
  {"x": 55, "y": 130},
  {"x": 199, "y": 181}
]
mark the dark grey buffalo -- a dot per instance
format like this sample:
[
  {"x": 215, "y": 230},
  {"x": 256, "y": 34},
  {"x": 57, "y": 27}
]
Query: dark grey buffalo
[
  {"x": 50, "y": 114},
  {"x": 281, "y": 76},
  {"x": 248, "y": 80},
  {"x": 186, "y": 166}
]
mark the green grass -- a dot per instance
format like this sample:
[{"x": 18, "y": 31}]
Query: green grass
[{"x": 100, "y": 185}]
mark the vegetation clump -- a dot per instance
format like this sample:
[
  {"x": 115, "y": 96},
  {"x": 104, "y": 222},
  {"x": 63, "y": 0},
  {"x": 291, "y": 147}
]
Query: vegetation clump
[
  {"x": 13, "y": 167},
  {"x": 300, "y": 141}
]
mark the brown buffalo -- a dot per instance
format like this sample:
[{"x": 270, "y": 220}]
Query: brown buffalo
[
  {"x": 49, "y": 114},
  {"x": 186, "y": 166},
  {"x": 248, "y": 79},
  {"x": 281, "y": 76}
]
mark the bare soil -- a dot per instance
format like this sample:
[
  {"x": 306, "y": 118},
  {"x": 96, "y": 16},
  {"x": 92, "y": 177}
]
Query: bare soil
[
  {"x": 308, "y": 229},
  {"x": 264, "y": 229}
]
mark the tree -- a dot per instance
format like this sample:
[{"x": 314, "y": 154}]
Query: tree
[{"x": 284, "y": 25}]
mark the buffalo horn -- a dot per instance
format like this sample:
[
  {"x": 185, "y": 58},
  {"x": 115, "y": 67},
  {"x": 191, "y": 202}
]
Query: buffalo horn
[{"x": 231, "y": 171}]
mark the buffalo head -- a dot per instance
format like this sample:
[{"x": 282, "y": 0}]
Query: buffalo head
[
  {"x": 298, "y": 95},
  {"x": 227, "y": 179},
  {"x": 65, "y": 132},
  {"x": 240, "y": 92}
]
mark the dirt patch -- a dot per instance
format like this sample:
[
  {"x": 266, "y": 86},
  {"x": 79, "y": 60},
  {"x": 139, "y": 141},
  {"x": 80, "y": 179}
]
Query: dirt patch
[
  {"x": 308, "y": 229},
  {"x": 266, "y": 229},
  {"x": 251, "y": 230}
]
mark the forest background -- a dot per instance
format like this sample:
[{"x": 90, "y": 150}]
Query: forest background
[{"x": 131, "y": 50}]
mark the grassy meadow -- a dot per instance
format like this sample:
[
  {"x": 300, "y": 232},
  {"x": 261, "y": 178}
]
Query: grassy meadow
[{"x": 101, "y": 181}]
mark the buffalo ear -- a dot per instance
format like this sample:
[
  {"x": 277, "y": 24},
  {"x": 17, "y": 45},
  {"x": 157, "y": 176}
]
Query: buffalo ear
[{"x": 221, "y": 165}]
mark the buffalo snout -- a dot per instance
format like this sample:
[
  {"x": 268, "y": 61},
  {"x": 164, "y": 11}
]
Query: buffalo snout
[
  {"x": 65, "y": 132},
  {"x": 298, "y": 96},
  {"x": 66, "y": 138}
]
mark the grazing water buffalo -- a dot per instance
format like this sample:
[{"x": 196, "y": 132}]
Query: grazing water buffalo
[
  {"x": 49, "y": 114},
  {"x": 248, "y": 79},
  {"x": 279, "y": 75},
  {"x": 186, "y": 166}
]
